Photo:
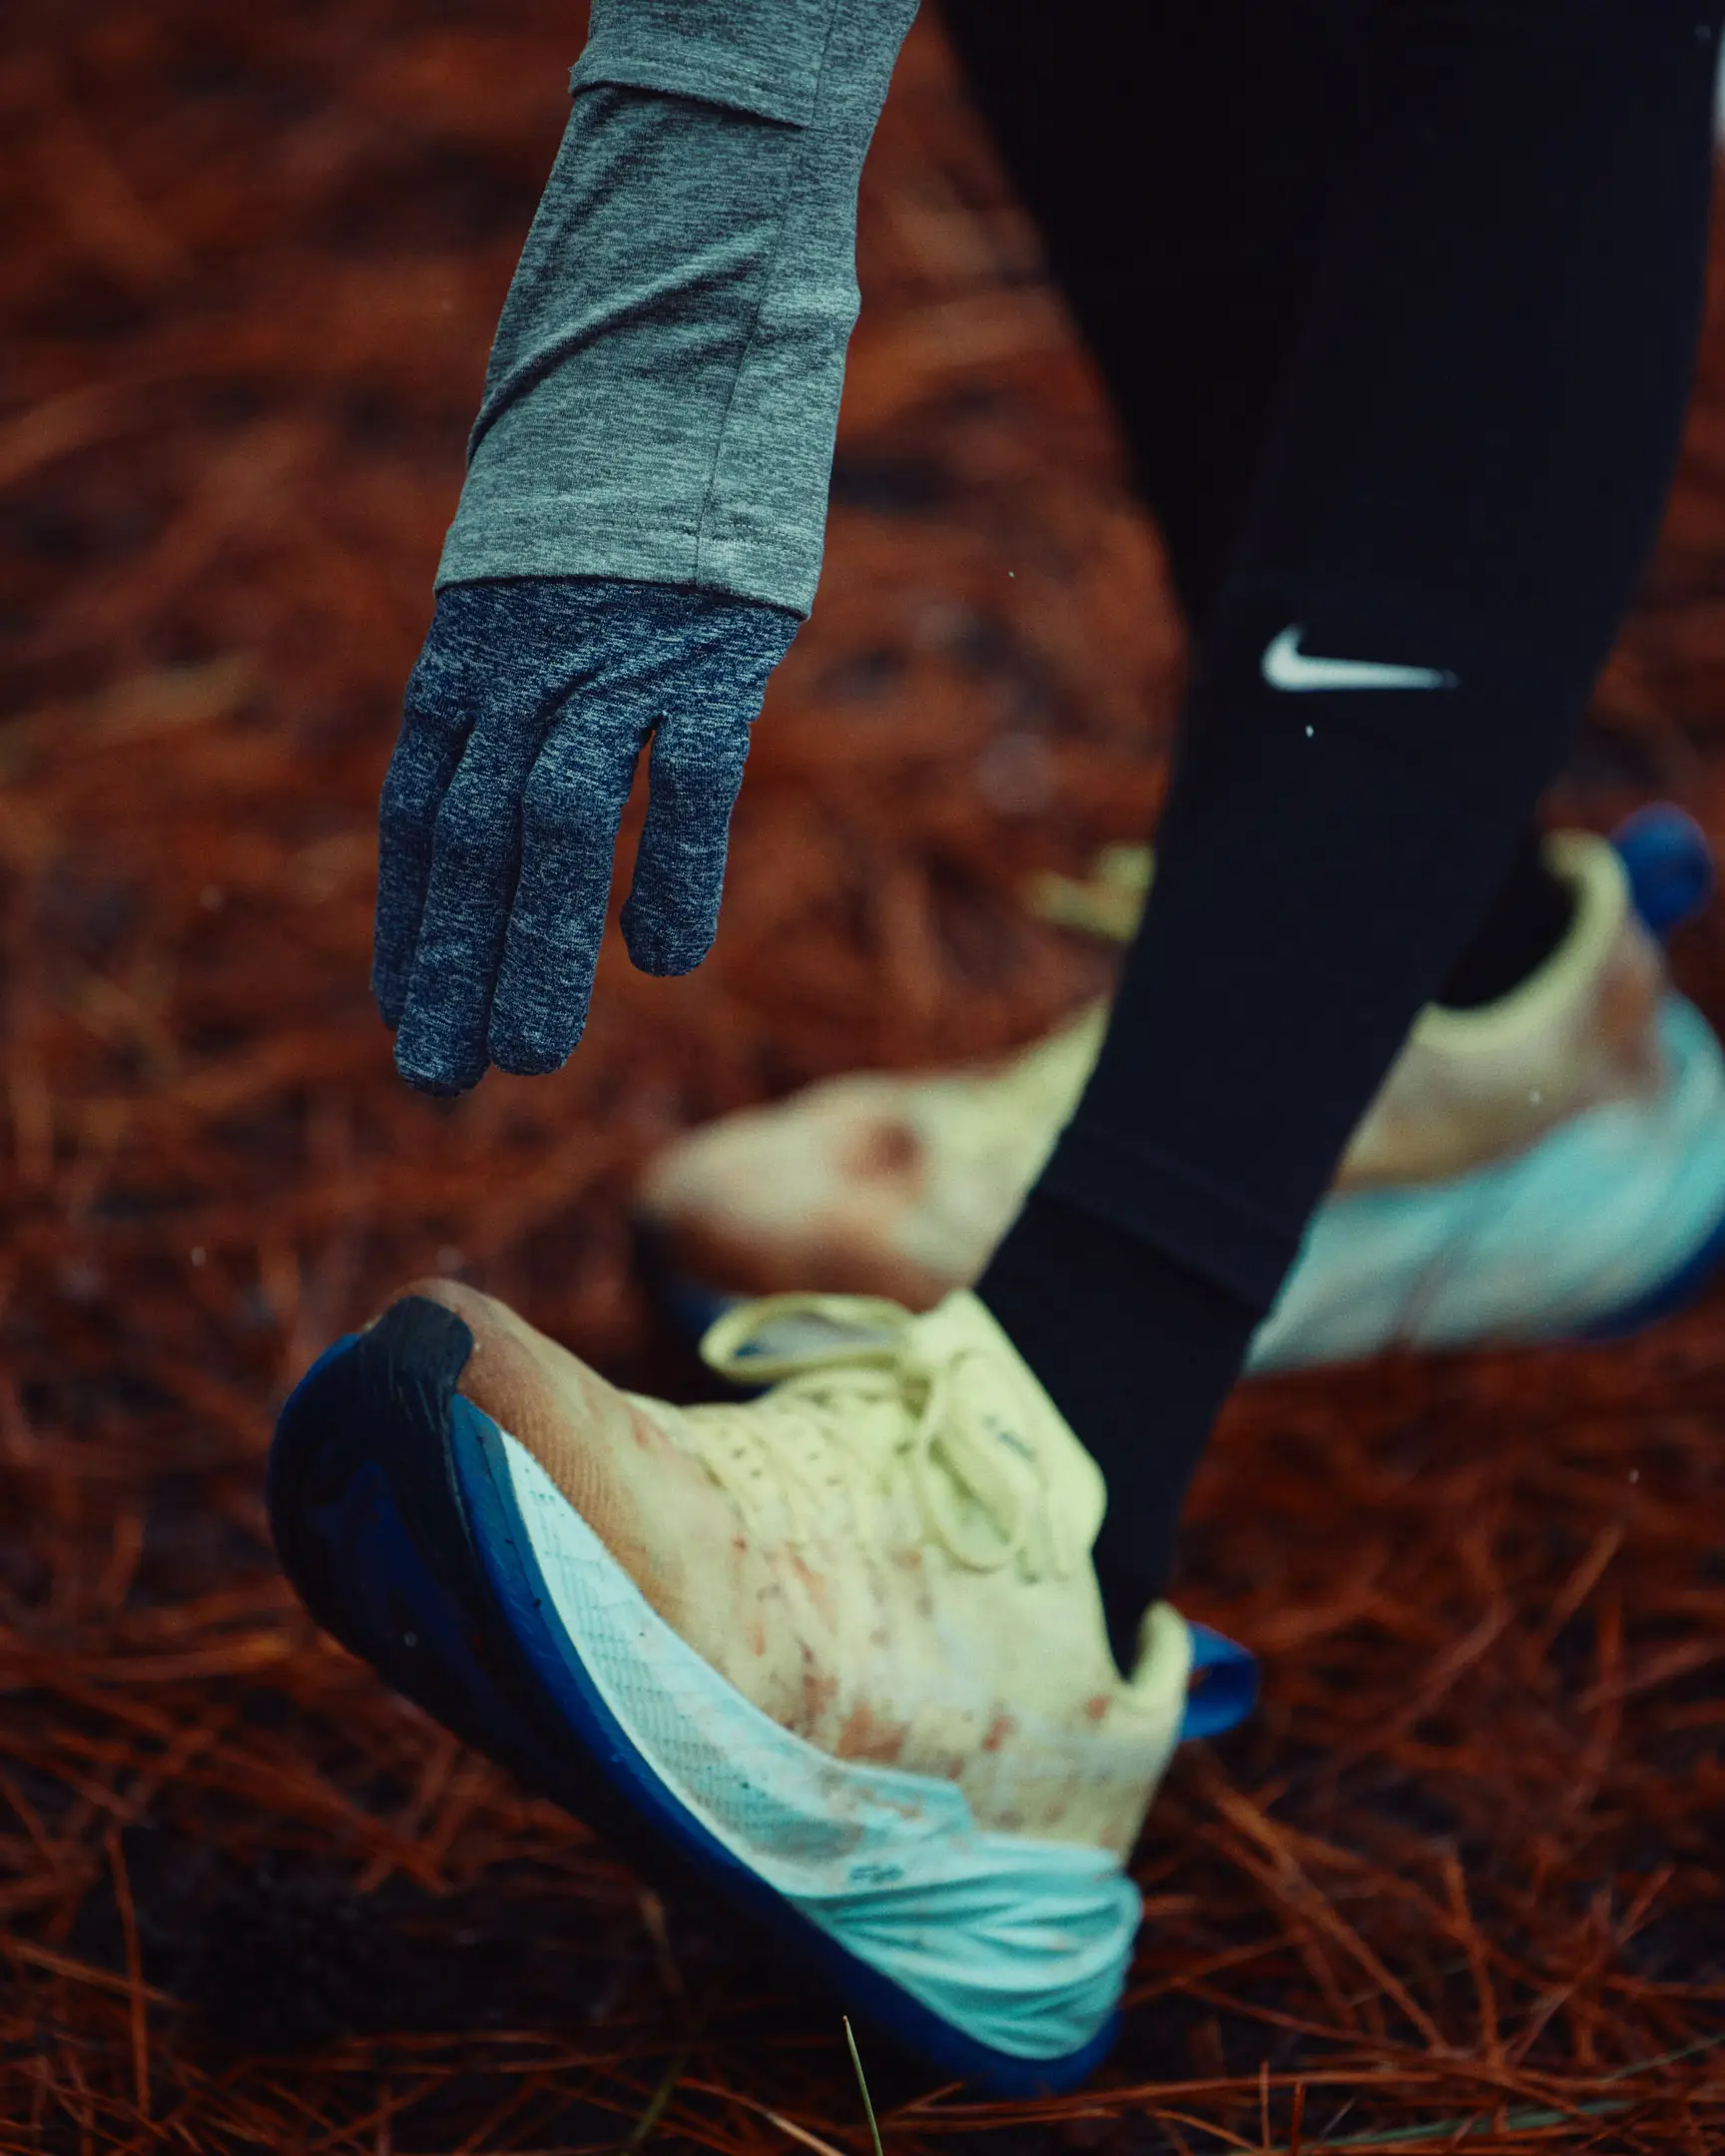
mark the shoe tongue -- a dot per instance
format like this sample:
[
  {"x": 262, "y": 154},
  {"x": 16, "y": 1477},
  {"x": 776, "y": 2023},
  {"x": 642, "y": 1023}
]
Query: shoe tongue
[{"x": 965, "y": 1325}]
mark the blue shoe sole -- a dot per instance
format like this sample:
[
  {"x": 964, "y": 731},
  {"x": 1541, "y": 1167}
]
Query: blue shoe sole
[{"x": 394, "y": 1519}]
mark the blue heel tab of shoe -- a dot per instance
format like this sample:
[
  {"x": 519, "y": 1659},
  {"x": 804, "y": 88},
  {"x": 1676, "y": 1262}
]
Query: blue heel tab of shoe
[
  {"x": 335, "y": 1350},
  {"x": 1224, "y": 1684},
  {"x": 1669, "y": 863}
]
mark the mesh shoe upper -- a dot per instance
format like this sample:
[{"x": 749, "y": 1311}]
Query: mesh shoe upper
[{"x": 888, "y": 1552}]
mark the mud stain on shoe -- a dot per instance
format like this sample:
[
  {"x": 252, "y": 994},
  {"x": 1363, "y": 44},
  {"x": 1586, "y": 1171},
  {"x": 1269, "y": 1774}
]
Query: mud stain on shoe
[
  {"x": 863, "y": 1734},
  {"x": 816, "y": 1588},
  {"x": 910, "y": 1560},
  {"x": 819, "y": 1692},
  {"x": 887, "y": 1152}
]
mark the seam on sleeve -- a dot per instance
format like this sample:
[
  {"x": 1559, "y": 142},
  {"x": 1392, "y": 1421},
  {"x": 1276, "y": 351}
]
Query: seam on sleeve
[
  {"x": 708, "y": 493},
  {"x": 774, "y": 74}
]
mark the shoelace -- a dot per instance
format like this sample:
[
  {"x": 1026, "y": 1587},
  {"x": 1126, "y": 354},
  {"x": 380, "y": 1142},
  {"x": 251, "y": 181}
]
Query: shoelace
[{"x": 852, "y": 1373}]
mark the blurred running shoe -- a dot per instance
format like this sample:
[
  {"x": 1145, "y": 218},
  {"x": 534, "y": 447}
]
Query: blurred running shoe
[
  {"x": 837, "y": 1650},
  {"x": 1550, "y": 1165}
]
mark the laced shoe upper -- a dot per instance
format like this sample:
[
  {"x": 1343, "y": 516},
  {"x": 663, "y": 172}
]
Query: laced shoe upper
[{"x": 888, "y": 1552}]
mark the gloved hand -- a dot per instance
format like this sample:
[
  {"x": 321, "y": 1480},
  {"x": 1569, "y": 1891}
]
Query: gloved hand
[{"x": 530, "y": 703}]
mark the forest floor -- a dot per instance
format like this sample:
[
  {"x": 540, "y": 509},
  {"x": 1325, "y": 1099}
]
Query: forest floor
[{"x": 1458, "y": 1885}]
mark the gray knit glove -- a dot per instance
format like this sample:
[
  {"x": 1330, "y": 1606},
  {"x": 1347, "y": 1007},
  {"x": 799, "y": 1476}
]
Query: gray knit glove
[{"x": 523, "y": 720}]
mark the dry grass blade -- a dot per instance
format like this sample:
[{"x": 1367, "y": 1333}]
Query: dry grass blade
[{"x": 863, "y": 2086}]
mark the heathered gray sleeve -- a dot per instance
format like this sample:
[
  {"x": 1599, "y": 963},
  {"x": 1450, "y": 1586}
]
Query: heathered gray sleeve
[{"x": 662, "y": 395}]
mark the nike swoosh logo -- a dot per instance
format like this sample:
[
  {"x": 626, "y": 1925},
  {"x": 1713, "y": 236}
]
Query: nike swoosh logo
[{"x": 1286, "y": 666}]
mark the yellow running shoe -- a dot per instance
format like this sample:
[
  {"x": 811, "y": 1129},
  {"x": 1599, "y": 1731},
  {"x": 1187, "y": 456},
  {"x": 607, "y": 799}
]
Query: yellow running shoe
[
  {"x": 838, "y": 1648},
  {"x": 1550, "y": 1165}
]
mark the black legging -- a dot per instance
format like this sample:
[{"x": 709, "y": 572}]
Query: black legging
[
  {"x": 1181, "y": 161},
  {"x": 1399, "y": 302}
]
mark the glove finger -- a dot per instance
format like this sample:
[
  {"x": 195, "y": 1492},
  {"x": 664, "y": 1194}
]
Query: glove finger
[
  {"x": 570, "y": 810},
  {"x": 672, "y": 913},
  {"x": 434, "y": 732},
  {"x": 441, "y": 1042}
]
